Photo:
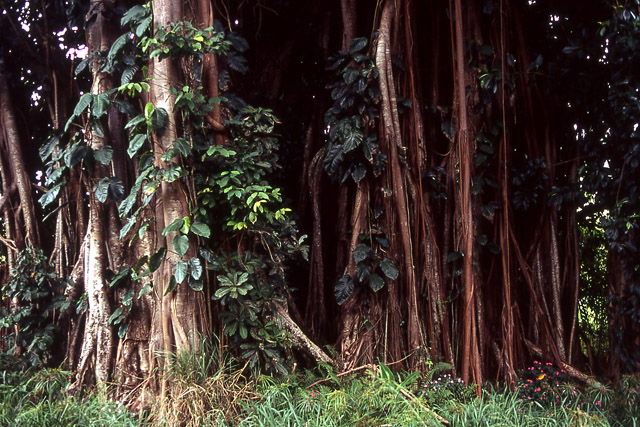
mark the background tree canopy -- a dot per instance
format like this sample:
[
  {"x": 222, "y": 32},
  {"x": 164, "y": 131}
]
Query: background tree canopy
[{"x": 334, "y": 182}]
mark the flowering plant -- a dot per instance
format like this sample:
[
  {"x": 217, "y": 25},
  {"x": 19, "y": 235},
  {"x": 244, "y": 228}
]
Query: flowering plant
[
  {"x": 445, "y": 387},
  {"x": 543, "y": 383}
]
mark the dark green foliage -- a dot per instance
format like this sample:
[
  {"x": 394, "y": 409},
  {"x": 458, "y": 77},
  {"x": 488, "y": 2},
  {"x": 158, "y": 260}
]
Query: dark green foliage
[
  {"x": 609, "y": 137},
  {"x": 351, "y": 121},
  {"x": 31, "y": 297}
]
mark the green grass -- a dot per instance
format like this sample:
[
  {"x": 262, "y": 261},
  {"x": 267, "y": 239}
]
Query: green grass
[
  {"x": 206, "y": 391},
  {"x": 41, "y": 399}
]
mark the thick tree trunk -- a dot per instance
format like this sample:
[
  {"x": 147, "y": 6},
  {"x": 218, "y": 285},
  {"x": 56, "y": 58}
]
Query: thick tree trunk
[{"x": 11, "y": 143}]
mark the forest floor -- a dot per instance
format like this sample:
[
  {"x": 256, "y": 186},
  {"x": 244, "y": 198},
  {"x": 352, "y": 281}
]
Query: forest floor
[{"x": 541, "y": 396}]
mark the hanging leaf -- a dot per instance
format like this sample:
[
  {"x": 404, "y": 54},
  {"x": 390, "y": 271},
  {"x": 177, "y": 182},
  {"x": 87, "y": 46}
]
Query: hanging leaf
[
  {"x": 389, "y": 269},
  {"x": 127, "y": 227},
  {"x": 100, "y": 106},
  {"x": 113, "y": 319},
  {"x": 103, "y": 155},
  {"x": 363, "y": 270},
  {"x": 116, "y": 189},
  {"x": 376, "y": 282},
  {"x": 181, "y": 271},
  {"x": 159, "y": 120},
  {"x": 236, "y": 62},
  {"x": 156, "y": 259},
  {"x": 201, "y": 229},
  {"x": 238, "y": 42},
  {"x": 171, "y": 286},
  {"x": 183, "y": 146},
  {"x": 75, "y": 154},
  {"x": 116, "y": 48},
  {"x": 174, "y": 226},
  {"x": 82, "y": 104},
  {"x": 133, "y": 15},
  {"x": 358, "y": 172},
  {"x": 196, "y": 268},
  {"x": 143, "y": 26},
  {"x": 127, "y": 298},
  {"x": 344, "y": 288},
  {"x": 101, "y": 190},
  {"x": 196, "y": 285},
  {"x": 46, "y": 150},
  {"x": 51, "y": 195},
  {"x": 131, "y": 124},
  {"x": 181, "y": 244},
  {"x": 122, "y": 330},
  {"x": 127, "y": 204},
  {"x": 357, "y": 44},
  {"x": 136, "y": 143},
  {"x": 122, "y": 274},
  {"x": 333, "y": 160},
  {"x": 361, "y": 252},
  {"x": 128, "y": 73}
]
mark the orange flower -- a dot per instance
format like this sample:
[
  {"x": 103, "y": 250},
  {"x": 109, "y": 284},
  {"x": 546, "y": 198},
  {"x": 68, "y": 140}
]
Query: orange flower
[{"x": 541, "y": 376}]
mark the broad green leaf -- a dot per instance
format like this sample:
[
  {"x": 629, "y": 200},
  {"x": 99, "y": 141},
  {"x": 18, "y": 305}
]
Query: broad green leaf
[
  {"x": 116, "y": 47},
  {"x": 82, "y": 104},
  {"x": 181, "y": 271},
  {"x": 181, "y": 244},
  {"x": 156, "y": 259},
  {"x": 145, "y": 290},
  {"x": 196, "y": 285},
  {"x": 143, "y": 26},
  {"x": 122, "y": 330},
  {"x": 389, "y": 269},
  {"x": 127, "y": 227},
  {"x": 358, "y": 172},
  {"x": 196, "y": 268},
  {"x": 140, "y": 262},
  {"x": 159, "y": 120},
  {"x": 103, "y": 155},
  {"x": 357, "y": 44},
  {"x": 344, "y": 288},
  {"x": 171, "y": 286},
  {"x": 220, "y": 292},
  {"x": 75, "y": 154},
  {"x": 174, "y": 226},
  {"x": 183, "y": 146},
  {"x": 127, "y": 204},
  {"x": 135, "y": 143},
  {"x": 51, "y": 195},
  {"x": 127, "y": 298},
  {"x": 238, "y": 42},
  {"x": 131, "y": 124},
  {"x": 375, "y": 282},
  {"x": 132, "y": 15},
  {"x": 101, "y": 190},
  {"x": 46, "y": 150},
  {"x": 122, "y": 274},
  {"x": 201, "y": 229},
  {"x": 363, "y": 270},
  {"x": 116, "y": 189},
  {"x": 113, "y": 319},
  {"x": 100, "y": 106},
  {"x": 149, "y": 108},
  {"x": 361, "y": 252}
]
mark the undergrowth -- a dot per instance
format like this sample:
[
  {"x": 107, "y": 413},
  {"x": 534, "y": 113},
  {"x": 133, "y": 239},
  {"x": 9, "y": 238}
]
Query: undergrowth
[
  {"x": 41, "y": 399},
  {"x": 204, "y": 389}
]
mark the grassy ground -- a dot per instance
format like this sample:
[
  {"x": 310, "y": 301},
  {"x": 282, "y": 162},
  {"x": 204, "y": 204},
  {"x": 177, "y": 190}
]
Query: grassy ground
[{"x": 204, "y": 394}]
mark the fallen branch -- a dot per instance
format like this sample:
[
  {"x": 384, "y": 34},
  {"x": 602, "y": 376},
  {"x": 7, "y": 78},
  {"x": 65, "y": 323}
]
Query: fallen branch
[{"x": 302, "y": 340}]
